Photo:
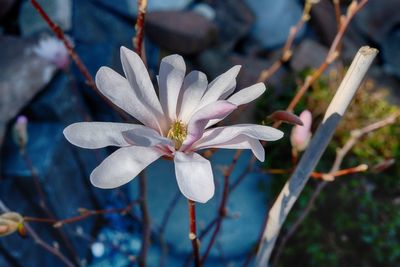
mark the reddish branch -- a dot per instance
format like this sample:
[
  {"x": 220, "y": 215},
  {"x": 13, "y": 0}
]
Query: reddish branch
[
  {"x": 139, "y": 27},
  {"x": 193, "y": 233},
  {"x": 75, "y": 57},
  {"x": 222, "y": 205},
  {"x": 84, "y": 214}
]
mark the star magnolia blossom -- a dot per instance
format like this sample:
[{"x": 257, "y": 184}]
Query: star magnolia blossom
[{"x": 175, "y": 125}]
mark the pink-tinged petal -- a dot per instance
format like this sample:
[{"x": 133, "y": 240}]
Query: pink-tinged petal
[
  {"x": 172, "y": 73},
  {"x": 145, "y": 137},
  {"x": 138, "y": 77},
  {"x": 242, "y": 142},
  {"x": 221, "y": 135},
  {"x": 194, "y": 86},
  {"x": 219, "y": 86},
  {"x": 94, "y": 135},
  {"x": 247, "y": 94},
  {"x": 216, "y": 110},
  {"x": 118, "y": 90},
  {"x": 244, "y": 96},
  {"x": 122, "y": 166},
  {"x": 194, "y": 176},
  {"x": 301, "y": 135}
]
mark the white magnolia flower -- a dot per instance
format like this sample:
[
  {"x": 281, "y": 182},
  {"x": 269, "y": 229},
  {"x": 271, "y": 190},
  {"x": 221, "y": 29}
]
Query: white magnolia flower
[
  {"x": 53, "y": 50},
  {"x": 175, "y": 125}
]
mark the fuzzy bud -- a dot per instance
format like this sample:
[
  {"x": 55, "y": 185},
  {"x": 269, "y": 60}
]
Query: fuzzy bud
[
  {"x": 301, "y": 135},
  {"x": 20, "y": 132},
  {"x": 10, "y": 222}
]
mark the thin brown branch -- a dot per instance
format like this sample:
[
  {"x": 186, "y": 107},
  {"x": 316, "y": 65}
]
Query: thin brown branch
[
  {"x": 75, "y": 57},
  {"x": 193, "y": 233},
  {"x": 139, "y": 27},
  {"x": 39, "y": 241}
]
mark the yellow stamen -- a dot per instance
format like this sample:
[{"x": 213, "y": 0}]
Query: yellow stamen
[{"x": 177, "y": 133}]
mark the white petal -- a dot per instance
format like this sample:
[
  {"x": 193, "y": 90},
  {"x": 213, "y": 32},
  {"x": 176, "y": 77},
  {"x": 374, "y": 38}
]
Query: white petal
[
  {"x": 221, "y": 135},
  {"x": 98, "y": 134},
  {"x": 145, "y": 137},
  {"x": 117, "y": 89},
  {"x": 242, "y": 142},
  {"x": 194, "y": 176},
  {"x": 194, "y": 86},
  {"x": 247, "y": 94},
  {"x": 244, "y": 96},
  {"x": 122, "y": 166},
  {"x": 216, "y": 110},
  {"x": 138, "y": 77},
  {"x": 172, "y": 73},
  {"x": 219, "y": 86}
]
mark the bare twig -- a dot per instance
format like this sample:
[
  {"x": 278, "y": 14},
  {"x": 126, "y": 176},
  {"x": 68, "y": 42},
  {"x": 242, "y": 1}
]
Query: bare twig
[
  {"x": 193, "y": 233},
  {"x": 75, "y": 57},
  {"x": 287, "y": 48},
  {"x": 139, "y": 27},
  {"x": 356, "y": 135},
  {"x": 39, "y": 241},
  {"x": 310, "y": 158}
]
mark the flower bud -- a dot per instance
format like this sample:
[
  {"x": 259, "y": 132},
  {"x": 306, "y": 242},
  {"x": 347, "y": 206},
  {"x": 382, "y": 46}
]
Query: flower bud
[
  {"x": 10, "y": 222},
  {"x": 20, "y": 132},
  {"x": 301, "y": 135}
]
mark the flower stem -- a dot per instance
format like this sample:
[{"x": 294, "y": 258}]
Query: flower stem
[
  {"x": 146, "y": 231},
  {"x": 193, "y": 233}
]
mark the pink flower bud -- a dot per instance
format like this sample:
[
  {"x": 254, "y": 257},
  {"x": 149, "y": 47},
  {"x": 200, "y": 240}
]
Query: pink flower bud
[
  {"x": 301, "y": 135},
  {"x": 20, "y": 131}
]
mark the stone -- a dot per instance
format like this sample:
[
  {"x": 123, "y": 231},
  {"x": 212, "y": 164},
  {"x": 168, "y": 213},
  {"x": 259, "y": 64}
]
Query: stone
[
  {"x": 234, "y": 20},
  {"x": 65, "y": 185},
  {"x": 60, "y": 12},
  {"x": 245, "y": 205},
  {"x": 378, "y": 19},
  {"x": 23, "y": 75},
  {"x": 323, "y": 21},
  {"x": 5, "y": 7},
  {"x": 274, "y": 20},
  {"x": 391, "y": 53},
  {"x": 129, "y": 8},
  {"x": 308, "y": 54},
  {"x": 183, "y": 32}
]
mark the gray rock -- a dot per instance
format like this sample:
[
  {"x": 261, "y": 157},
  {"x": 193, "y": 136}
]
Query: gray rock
[
  {"x": 391, "y": 53},
  {"x": 65, "y": 185},
  {"x": 274, "y": 19},
  {"x": 378, "y": 19},
  {"x": 129, "y": 8},
  {"x": 183, "y": 32},
  {"x": 308, "y": 54},
  {"x": 5, "y": 6},
  {"x": 23, "y": 75},
  {"x": 238, "y": 233},
  {"x": 234, "y": 20},
  {"x": 60, "y": 11}
]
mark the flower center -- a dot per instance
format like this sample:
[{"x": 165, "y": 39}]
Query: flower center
[{"x": 177, "y": 133}]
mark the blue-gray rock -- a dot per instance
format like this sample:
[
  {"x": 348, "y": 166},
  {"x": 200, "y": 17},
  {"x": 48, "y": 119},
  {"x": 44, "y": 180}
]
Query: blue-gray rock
[
  {"x": 22, "y": 76},
  {"x": 391, "y": 52},
  {"x": 182, "y": 32},
  {"x": 65, "y": 185},
  {"x": 129, "y": 8},
  {"x": 246, "y": 206},
  {"x": 273, "y": 20},
  {"x": 234, "y": 19},
  {"x": 30, "y": 22}
]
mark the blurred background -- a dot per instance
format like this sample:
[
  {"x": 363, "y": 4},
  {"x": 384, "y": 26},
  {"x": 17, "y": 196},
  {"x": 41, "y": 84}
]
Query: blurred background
[{"x": 355, "y": 220}]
